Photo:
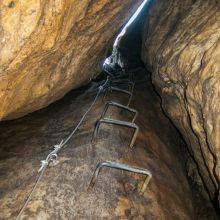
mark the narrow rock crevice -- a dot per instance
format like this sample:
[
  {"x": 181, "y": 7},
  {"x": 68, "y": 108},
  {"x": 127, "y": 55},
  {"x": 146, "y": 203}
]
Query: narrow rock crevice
[
  {"x": 171, "y": 52},
  {"x": 185, "y": 72}
]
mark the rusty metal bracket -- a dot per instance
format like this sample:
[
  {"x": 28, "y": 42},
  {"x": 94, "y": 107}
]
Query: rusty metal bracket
[
  {"x": 120, "y": 80},
  {"x": 117, "y": 122},
  {"x": 121, "y": 166},
  {"x": 116, "y": 89},
  {"x": 111, "y": 103},
  {"x": 121, "y": 84},
  {"x": 124, "y": 74}
]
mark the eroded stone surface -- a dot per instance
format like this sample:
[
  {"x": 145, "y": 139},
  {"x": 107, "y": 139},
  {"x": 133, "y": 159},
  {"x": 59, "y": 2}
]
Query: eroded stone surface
[
  {"x": 182, "y": 48},
  {"x": 50, "y": 47},
  {"x": 62, "y": 193}
]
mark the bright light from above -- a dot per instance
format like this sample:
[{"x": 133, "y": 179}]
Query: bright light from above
[
  {"x": 110, "y": 60},
  {"x": 134, "y": 16}
]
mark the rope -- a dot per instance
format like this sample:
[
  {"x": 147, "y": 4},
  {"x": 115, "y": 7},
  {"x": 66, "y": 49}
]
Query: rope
[
  {"x": 31, "y": 193},
  {"x": 52, "y": 156}
]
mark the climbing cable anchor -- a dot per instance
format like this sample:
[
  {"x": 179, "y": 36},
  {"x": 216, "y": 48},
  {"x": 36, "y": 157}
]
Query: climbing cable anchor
[
  {"x": 121, "y": 166},
  {"x": 51, "y": 157},
  {"x": 116, "y": 122}
]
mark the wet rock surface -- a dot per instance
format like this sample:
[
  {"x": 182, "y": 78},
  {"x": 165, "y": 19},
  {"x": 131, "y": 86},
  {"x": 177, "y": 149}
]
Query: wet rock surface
[
  {"x": 48, "y": 48},
  {"x": 62, "y": 193},
  {"x": 181, "y": 47}
]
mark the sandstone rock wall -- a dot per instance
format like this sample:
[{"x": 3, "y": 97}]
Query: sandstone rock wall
[
  {"x": 182, "y": 48},
  {"x": 62, "y": 192},
  {"x": 48, "y": 47}
]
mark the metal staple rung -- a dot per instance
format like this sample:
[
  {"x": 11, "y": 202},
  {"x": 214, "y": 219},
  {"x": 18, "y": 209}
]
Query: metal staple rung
[
  {"x": 129, "y": 85},
  {"x": 123, "y": 80},
  {"x": 122, "y": 83},
  {"x": 111, "y": 103},
  {"x": 113, "y": 88},
  {"x": 123, "y": 74},
  {"x": 117, "y": 122},
  {"x": 129, "y": 93},
  {"x": 120, "y": 166}
]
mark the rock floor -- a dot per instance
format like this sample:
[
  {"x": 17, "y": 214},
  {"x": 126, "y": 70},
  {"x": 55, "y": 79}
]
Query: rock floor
[{"x": 62, "y": 193}]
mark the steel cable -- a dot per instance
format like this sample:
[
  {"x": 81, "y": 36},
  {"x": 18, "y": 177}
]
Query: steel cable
[{"x": 52, "y": 156}]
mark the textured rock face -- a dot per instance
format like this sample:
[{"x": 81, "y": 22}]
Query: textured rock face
[
  {"x": 50, "y": 47},
  {"x": 62, "y": 192},
  {"x": 182, "y": 48}
]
